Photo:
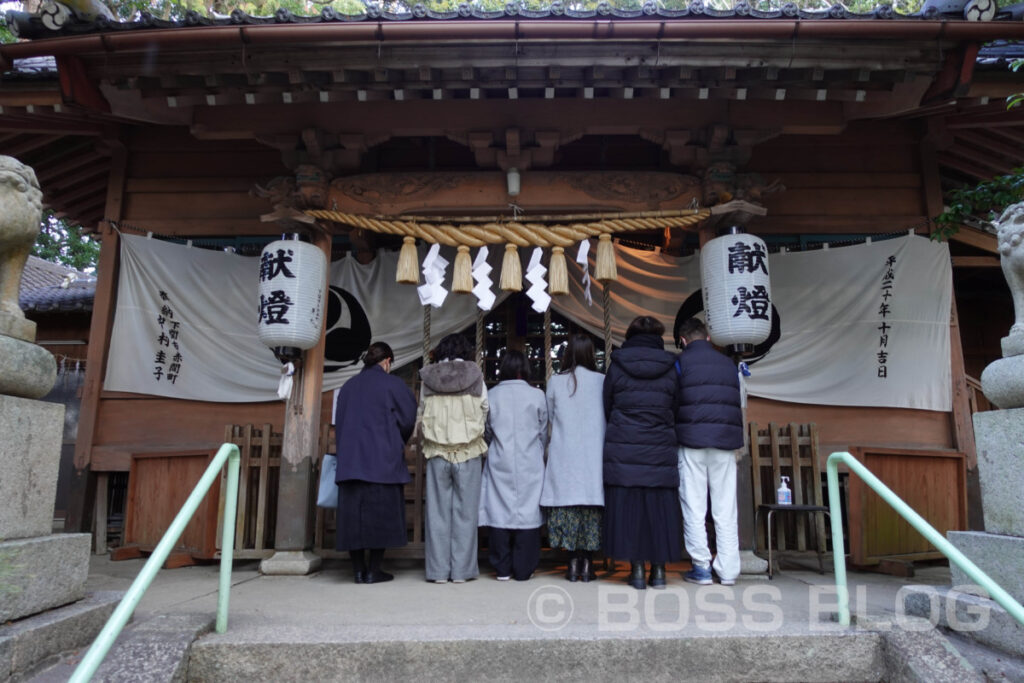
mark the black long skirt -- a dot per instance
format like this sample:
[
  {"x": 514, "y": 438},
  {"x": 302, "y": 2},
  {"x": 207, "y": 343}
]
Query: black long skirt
[
  {"x": 642, "y": 524},
  {"x": 370, "y": 516}
]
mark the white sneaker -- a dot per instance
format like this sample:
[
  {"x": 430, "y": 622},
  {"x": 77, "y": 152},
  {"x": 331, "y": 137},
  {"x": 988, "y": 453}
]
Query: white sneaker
[
  {"x": 504, "y": 578},
  {"x": 458, "y": 581},
  {"x": 440, "y": 580},
  {"x": 727, "y": 582}
]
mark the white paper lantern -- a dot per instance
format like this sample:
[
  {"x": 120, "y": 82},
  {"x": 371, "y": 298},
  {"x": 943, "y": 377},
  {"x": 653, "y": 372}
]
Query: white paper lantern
[
  {"x": 737, "y": 290},
  {"x": 293, "y": 278}
]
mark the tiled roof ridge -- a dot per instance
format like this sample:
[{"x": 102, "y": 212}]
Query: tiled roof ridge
[
  {"x": 31, "y": 26},
  {"x": 41, "y": 288}
]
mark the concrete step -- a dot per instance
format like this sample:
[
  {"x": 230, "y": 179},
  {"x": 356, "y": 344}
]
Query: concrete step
[
  {"x": 875, "y": 652},
  {"x": 28, "y": 644},
  {"x": 154, "y": 650}
]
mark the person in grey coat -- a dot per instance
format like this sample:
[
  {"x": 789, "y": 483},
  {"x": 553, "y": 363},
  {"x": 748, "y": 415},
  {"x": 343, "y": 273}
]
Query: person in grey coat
[
  {"x": 517, "y": 427},
  {"x": 573, "y": 493}
]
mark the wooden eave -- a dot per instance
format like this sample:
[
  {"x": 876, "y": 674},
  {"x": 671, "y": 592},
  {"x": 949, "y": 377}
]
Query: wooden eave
[{"x": 349, "y": 88}]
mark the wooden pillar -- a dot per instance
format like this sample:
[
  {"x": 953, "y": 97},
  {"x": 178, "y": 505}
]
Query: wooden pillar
[
  {"x": 296, "y": 514},
  {"x": 81, "y": 497}
]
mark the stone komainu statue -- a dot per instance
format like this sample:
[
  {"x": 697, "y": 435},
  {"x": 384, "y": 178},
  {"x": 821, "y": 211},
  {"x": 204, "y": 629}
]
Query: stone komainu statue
[
  {"x": 1010, "y": 230},
  {"x": 21, "y": 206}
]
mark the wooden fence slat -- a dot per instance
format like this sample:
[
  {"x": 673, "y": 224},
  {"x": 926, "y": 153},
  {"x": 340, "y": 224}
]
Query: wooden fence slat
[
  {"x": 243, "y": 435},
  {"x": 755, "y": 459},
  {"x": 797, "y": 483},
  {"x": 773, "y": 436},
  {"x": 819, "y": 496},
  {"x": 261, "y": 496}
]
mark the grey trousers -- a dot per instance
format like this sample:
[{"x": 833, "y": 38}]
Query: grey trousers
[{"x": 452, "y": 511}]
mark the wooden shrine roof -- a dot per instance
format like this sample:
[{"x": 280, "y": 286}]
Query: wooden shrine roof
[{"x": 343, "y": 84}]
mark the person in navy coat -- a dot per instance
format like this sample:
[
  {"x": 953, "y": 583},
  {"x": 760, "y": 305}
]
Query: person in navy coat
[
  {"x": 375, "y": 416},
  {"x": 641, "y": 465}
]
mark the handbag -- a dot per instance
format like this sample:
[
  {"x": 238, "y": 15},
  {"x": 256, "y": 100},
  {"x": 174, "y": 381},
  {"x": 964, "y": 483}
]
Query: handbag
[{"x": 327, "y": 496}]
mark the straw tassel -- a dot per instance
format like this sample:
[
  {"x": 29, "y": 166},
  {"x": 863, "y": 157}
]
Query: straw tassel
[
  {"x": 462, "y": 276},
  {"x": 558, "y": 276},
  {"x": 511, "y": 270},
  {"x": 605, "y": 270},
  {"x": 408, "y": 272}
]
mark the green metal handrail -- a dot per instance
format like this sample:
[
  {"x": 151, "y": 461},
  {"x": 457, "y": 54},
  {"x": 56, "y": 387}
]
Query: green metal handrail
[
  {"x": 130, "y": 601},
  {"x": 979, "y": 577}
]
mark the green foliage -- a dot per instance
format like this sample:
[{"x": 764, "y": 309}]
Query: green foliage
[
  {"x": 979, "y": 204},
  {"x": 66, "y": 244}
]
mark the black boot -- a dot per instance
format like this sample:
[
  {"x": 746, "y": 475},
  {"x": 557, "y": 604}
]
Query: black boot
[
  {"x": 374, "y": 574},
  {"x": 573, "y": 573},
  {"x": 358, "y": 564},
  {"x": 586, "y": 568},
  {"x": 657, "y": 578},
  {"x": 636, "y": 576}
]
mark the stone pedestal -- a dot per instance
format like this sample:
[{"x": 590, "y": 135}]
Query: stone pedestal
[
  {"x": 29, "y": 460},
  {"x": 1001, "y": 557},
  {"x": 290, "y": 563},
  {"x": 999, "y": 551},
  {"x": 1000, "y": 442},
  {"x": 37, "y": 574}
]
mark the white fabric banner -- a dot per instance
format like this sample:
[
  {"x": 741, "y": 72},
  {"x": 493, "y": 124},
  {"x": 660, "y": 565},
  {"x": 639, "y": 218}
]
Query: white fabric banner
[
  {"x": 849, "y": 335},
  {"x": 864, "y": 325},
  {"x": 185, "y": 323}
]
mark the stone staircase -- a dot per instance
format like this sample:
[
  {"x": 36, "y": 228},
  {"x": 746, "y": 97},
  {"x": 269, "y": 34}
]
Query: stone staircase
[{"x": 182, "y": 647}]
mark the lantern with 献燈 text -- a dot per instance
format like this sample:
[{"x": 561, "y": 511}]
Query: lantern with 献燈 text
[
  {"x": 737, "y": 291},
  {"x": 293, "y": 278}
]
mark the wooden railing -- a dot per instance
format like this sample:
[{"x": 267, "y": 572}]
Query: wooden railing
[{"x": 257, "y": 495}]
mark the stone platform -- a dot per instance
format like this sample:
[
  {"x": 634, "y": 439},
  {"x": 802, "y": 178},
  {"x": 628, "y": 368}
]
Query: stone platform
[{"x": 325, "y": 627}]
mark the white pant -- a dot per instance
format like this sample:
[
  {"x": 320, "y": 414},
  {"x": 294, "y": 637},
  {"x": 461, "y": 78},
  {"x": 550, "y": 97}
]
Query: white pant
[{"x": 699, "y": 470}]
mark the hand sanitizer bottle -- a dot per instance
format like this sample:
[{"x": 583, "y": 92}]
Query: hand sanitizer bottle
[{"x": 784, "y": 496}]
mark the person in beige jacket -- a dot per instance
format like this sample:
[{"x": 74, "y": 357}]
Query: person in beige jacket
[{"x": 453, "y": 404}]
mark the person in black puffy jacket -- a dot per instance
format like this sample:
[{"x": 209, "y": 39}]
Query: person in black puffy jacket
[
  {"x": 709, "y": 426},
  {"x": 641, "y": 476}
]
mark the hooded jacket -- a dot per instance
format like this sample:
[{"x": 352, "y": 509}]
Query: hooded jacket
[
  {"x": 639, "y": 402},
  {"x": 453, "y": 401}
]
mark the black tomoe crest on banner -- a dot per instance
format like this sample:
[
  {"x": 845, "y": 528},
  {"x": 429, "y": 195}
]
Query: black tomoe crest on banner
[
  {"x": 694, "y": 304},
  {"x": 348, "y": 330}
]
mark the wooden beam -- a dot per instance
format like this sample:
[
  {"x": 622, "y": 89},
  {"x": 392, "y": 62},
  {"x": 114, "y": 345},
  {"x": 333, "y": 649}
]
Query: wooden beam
[
  {"x": 975, "y": 261},
  {"x": 39, "y": 98},
  {"x": 103, "y": 310},
  {"x": 994, "y": 146},
  {"x": 90, "y": 190},
  {"x": 981, "y": 159},
  {"x": 963, "y": 429},
  {"x": 965, "y": 167},
  {"x": 834, "y": 225},
  {"x": 931, "y": 183},
  {"x": 429, "y": 117},
  {"x": 30, "y": 145},
  {"x": 976, "y": 238},
  {"x": 1000, "y": 119},
  {"x": 200, "y": 227},
  {"x": 71, "y": 180}
]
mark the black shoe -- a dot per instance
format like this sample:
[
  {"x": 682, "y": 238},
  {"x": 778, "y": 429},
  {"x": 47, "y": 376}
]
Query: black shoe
[
  {"x": 360, "y": 577},
  {"x": 587, "y": 571},
  {"x": 636, "y": 576},
  {"x": 377, "y": 576},
  {"x": 657, "y": 577},
  {"x": 573, "y": 572}
]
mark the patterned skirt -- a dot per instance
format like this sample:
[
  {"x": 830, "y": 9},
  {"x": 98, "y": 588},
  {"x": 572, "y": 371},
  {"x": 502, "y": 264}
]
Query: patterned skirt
[{"x": 575, "y": 527}]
